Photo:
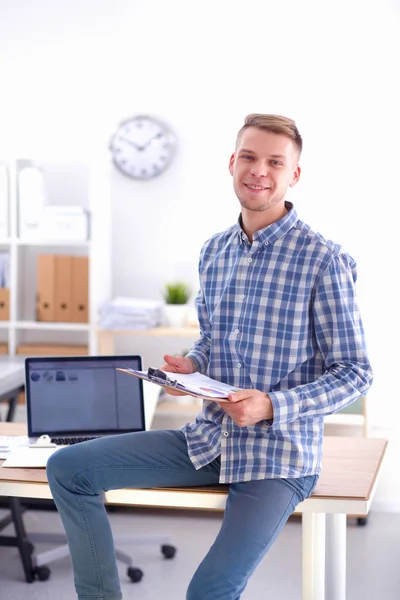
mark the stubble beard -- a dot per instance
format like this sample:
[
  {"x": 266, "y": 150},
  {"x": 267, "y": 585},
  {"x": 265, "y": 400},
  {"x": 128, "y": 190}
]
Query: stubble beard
[{"x": 264, "y": 205}]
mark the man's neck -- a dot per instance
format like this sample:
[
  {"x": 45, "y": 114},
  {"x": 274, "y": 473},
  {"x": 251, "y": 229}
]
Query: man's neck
[{"x": 253, "y": 221}]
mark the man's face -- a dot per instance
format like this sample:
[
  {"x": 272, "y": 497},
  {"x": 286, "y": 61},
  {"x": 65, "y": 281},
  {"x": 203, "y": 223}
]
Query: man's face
[{"x": 263, "y": 167}]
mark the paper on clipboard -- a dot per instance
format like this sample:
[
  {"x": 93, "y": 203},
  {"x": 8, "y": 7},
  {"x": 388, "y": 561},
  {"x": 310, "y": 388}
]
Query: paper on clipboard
[{"x": 193, "y": 384}]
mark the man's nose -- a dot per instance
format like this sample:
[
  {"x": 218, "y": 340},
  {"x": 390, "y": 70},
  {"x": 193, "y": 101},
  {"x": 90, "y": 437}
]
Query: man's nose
[{"x": 259, "y": 168}]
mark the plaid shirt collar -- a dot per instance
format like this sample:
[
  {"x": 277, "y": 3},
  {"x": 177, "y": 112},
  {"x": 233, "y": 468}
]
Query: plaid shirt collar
[{"x": 271, "y": 233}]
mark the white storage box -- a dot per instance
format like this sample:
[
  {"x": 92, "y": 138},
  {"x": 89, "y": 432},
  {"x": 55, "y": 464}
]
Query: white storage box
[{"x": 69, "y": 223}]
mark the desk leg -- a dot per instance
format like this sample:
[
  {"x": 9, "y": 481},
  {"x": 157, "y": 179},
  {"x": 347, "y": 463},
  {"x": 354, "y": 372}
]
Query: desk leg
[
  {"x": 336, "y": 556},
  {"x": 313, "y": 525}
]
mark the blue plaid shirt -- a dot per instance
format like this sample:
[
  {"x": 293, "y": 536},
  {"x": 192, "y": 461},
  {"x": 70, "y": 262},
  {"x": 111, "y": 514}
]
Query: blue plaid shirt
[{"x": 278, "y": 315}]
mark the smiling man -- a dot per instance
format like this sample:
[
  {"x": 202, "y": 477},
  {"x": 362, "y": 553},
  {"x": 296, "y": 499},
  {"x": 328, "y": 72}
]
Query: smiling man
[
  {"x": 278, "y": 319},
  {"x": 263, "y": 166}
]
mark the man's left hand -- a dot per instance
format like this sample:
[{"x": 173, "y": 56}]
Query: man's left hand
[{"x": 247, "y": 407}]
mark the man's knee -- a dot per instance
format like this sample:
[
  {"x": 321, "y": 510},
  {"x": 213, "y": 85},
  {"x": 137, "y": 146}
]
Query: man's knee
[{"x": 61, "y": 467}]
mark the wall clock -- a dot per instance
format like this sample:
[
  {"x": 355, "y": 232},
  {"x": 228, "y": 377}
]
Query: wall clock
[{"x": 142, "y": 147}]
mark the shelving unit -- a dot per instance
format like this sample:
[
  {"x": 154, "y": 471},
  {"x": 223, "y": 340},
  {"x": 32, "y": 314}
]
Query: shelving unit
[{"x": 68, "y": 183}]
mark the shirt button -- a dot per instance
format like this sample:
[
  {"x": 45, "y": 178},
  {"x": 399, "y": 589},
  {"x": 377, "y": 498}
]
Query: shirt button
[
  {"x": 266, "y": 243},
  {"x": 243, "y": 296},
  {"x": 244, "y": 238},
  {"x": 239, "y": 365},
  {"x": 226, "y": 433},
  {"x": 236, "y": 330},
  {"x": 249, "y": 260}
]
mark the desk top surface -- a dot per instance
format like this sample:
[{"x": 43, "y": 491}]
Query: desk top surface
[{"x": 350, "y": 466}]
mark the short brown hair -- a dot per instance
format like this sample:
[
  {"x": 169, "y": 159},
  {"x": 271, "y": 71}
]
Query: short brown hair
[{"x": 274, "y": 124}]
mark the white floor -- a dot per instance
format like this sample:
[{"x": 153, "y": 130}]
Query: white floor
[{"x": 373, "y": 563}]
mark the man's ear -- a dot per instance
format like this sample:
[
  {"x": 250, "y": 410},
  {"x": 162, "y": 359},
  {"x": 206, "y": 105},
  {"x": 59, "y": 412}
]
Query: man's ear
[
  {"x": 296, "y": 176},
  {"x": 231, "y": 161}
]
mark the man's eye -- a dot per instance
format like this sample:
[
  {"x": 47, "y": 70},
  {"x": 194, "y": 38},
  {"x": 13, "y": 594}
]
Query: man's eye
[
  {"x": 247, "y": 156},
  {"x": 276, "y": 163}
]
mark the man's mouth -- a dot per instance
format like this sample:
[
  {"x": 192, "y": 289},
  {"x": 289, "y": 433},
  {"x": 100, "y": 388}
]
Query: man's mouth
[{"x": 257, "y": 188}]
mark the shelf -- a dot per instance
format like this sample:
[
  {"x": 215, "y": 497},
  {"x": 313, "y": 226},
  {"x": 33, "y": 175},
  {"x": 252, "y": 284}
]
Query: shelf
[
  {"x": 52, "y": 243},
  {"x": 85, "y": 184},
  {"x": 47, "y": 326},
  {"x": 106, "y": 337}
]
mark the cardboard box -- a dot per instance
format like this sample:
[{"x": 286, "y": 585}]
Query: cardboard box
[
  {"x": 4, "y": 304},
  {"x": 51, "y": 350},
  {"x": 80, "y": 289},
  {"x": 3, "y": 348},
  {"x": 63, "y": 289},
  {"x": 45, "y": 297}
]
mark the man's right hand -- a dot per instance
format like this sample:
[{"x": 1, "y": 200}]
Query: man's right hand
[{"x": 177, "y": 364}]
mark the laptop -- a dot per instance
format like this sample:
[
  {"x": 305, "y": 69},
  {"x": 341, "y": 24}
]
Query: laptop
[{"x": 74, "y": 399}]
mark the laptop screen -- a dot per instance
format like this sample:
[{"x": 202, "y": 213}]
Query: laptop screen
[{"x": 83, "y": 395}]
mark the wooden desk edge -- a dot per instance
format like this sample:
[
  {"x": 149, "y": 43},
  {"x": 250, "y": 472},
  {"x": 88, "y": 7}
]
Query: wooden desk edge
[{"x": 17, "y": 478}]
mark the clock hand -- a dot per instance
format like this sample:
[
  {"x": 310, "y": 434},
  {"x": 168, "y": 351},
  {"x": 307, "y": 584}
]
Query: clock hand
[
  {"x": 140, "y": 148},
  {"x": 153, "y": 139}
]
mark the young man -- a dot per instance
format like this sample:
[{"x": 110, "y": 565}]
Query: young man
[{"x": 278, "y": 318}]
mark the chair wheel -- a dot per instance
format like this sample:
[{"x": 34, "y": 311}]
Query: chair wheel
[
  {"x": 362, "y": 520},
  {"x": 42, "y": 573},
  {"x": 134, "y": 574},
  {"x": 168, "y": 551}
]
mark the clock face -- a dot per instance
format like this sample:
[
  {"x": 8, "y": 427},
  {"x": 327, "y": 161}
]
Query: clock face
[{"x": 142, "y": 147}]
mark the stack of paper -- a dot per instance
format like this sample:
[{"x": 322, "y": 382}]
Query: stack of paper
[
  {"x": 25, "y": 456},
  {"x": 130, "y": 313},
  {"x": 9, "y": 443}
]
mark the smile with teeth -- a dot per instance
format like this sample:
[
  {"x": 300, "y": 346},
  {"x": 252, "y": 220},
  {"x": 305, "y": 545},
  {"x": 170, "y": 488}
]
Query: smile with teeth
[{"x": 255, "y": 187}]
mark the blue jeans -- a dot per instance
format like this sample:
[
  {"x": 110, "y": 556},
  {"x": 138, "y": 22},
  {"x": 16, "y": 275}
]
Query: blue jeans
[{"x": 255, "y": 512}]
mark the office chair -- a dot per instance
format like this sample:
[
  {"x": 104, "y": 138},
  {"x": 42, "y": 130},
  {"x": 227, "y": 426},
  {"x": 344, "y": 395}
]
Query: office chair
[
  {"x": 41, "y": 560},
  {"x": 35, "y": 565}
]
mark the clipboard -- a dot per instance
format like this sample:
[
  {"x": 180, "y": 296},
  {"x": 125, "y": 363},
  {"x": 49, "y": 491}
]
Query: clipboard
[{"x": 193, "y": 384}]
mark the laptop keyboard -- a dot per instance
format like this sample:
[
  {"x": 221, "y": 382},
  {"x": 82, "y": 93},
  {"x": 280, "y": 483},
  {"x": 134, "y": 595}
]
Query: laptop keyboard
[{"x": 68, "y": 441}]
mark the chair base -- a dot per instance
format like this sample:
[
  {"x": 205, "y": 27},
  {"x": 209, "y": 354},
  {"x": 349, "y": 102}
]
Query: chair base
[{"x": 62, "y": 550}]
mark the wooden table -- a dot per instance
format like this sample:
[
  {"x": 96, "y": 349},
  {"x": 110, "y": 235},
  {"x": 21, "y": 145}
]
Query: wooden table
[{"x": 347, "y": 485}]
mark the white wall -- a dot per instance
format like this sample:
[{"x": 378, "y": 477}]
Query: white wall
[{"x": 70, "y": 72}]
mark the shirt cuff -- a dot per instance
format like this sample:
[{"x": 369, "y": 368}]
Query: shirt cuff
[
  {"x": 286, "y": 407},
  {"x": 199, "y": 360}
]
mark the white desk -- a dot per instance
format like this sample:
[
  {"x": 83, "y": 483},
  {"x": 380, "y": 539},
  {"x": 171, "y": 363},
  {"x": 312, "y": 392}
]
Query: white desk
[{"x": 347, "y": 486}]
